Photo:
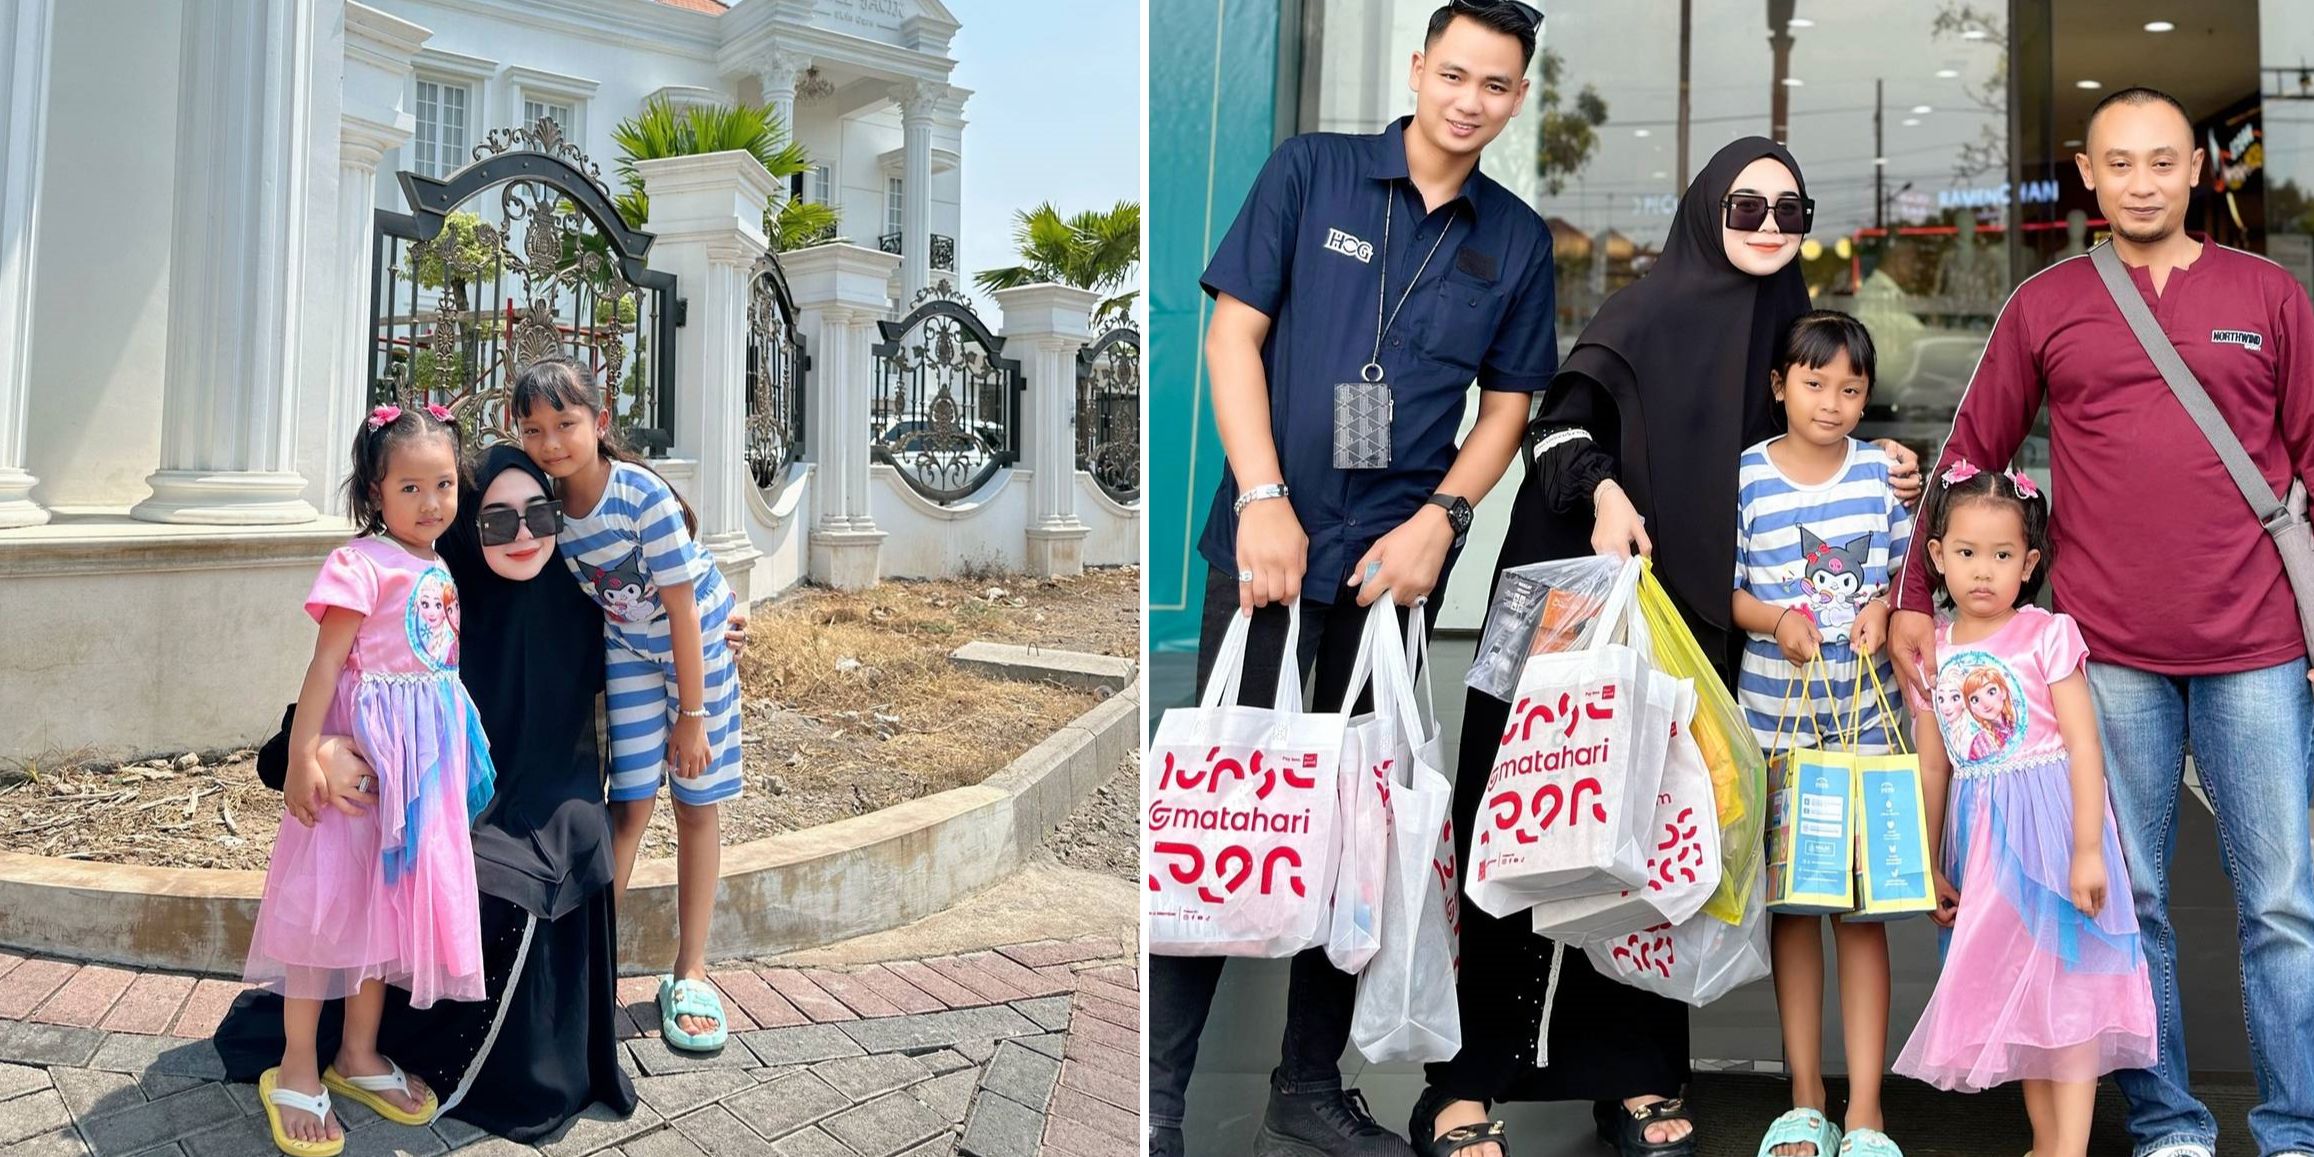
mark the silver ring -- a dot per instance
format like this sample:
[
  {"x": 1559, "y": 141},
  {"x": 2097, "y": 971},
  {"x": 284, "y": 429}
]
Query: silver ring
[
  {"x": 1245, "y": 576},
  {"x": 363, "y": 785}
]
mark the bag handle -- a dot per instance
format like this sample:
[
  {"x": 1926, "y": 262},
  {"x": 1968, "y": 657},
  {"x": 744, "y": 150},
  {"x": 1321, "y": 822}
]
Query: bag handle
[
  {"x": 1801, "y": 682},
  {"x": 1616, "y": 616},
  {"x": 2272, "y": 511},
  {"x": 1855, "y": 733},
  {"x": 1221, "y": 685}
]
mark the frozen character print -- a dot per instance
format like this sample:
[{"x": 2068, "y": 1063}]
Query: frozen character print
[
  {"x": 625, "y": 588},
  {"x": 432, "y": 621},
  {"x": 1989, "y": 697},
  {"x": 1832, "y": 577}
]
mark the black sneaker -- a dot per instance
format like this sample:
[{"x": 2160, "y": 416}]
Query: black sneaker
[
  {"x": 1329, "y": 1123},
  {"x": 1166, "y": 1142}
]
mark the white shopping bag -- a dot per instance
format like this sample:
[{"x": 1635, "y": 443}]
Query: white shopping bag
[
  {"x": 1697, "y": 961},
  {"x": 1238, "y": 815},
  {"x": 1568, "y": 805},
  {"x": 1683, "y": 865},
  {"x": 1405, "y": 1009},
  {"x": 1375, "y": 746}
]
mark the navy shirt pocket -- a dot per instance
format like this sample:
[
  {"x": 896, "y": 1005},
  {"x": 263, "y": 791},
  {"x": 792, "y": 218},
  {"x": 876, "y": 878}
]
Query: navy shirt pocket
[{"x": 1464, "y": 314}]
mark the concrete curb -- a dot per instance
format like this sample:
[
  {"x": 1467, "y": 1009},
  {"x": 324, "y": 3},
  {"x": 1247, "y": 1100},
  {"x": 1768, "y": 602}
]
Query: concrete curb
[
  {"x": 1044, "y": 665},
  {"x": 779, "y": 894}
]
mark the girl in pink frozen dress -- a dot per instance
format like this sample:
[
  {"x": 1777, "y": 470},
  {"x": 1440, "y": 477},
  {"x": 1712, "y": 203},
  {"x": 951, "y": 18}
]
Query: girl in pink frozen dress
[
  {"x": 356, "y": 900},
  {"x": 2043, "y": 980}
]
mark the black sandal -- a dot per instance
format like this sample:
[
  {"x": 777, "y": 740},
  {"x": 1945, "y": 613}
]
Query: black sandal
[
  {"x": 1424, "y": 1124},
  {"x": 1626, "y": 1129}
]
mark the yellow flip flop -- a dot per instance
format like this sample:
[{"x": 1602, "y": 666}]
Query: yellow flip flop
[
  {"x": 276, "y": 1098},
  {"x": 364, "y": 1091}
]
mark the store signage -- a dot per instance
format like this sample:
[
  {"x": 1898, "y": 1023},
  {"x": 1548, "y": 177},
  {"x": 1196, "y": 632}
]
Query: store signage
[
  {"x": 1655, "y": 204},
  {"x": 872, "y": 19},
  {"x": 1985, "y": 196}
]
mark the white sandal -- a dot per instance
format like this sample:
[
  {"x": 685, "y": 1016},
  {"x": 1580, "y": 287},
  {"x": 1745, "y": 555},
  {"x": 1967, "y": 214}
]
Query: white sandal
[
  {"x": 364, "y": 1091},
  {"x": 277, "y": 1098}
]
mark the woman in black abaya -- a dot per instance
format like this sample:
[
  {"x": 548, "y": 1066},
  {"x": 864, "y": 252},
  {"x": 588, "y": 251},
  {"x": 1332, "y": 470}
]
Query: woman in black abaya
[
  {"x": 544, "y": 1045},
  {"x": 1635, "y": 447}
]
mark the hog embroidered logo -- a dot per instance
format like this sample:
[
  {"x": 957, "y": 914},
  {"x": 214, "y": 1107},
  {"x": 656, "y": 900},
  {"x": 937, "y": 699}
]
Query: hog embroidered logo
[
  {"x": 2246, "y": 338},
  {"x": 1343, "y": 243}
]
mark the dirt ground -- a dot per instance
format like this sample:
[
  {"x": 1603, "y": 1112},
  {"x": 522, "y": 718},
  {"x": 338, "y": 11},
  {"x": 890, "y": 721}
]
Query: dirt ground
[{"x": 851, "y": 705}]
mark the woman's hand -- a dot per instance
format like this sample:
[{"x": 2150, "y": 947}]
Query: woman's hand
[
  {"x": 687, "y": 747},
  {"x": 1796, "y": 633},
  {"x": 1870, "y": 629},
  {"x": 1903, "y": 470},
  {"x": 1617, "y": 530},
  {"x": 303, "y": 787},
  {"x": 348, "y": 782},
  {"x": 735, "y": 631},
  {"x": 2088, "y": 888},
  {"x": 1947, "y": 900},
  {"x": 1272, "y": 548}
]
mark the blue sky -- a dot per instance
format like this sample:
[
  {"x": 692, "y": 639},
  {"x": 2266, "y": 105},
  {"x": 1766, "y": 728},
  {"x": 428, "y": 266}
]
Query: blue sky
[{"x": 1055, "y": 114}]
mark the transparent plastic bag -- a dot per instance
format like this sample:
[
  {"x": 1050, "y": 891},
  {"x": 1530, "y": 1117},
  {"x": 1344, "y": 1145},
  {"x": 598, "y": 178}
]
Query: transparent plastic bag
[
  {"x": 1739, "y": 772},
  {"x": 1539, "y": 609}
]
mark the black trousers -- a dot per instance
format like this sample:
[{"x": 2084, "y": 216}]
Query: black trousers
[{"x": 1319, "y": 996}]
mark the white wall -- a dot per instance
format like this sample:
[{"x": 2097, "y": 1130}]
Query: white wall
[
  {"x": 930, "y": 541},
  {"x": 101, "y": 292},
  {"x": 1116, "y": 530}
]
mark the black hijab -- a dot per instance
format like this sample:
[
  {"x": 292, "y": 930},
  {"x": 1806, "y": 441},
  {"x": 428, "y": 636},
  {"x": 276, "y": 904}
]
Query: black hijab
[
  {"x": 531, "y": 656},
  {"x": 1684, "y": 355}
]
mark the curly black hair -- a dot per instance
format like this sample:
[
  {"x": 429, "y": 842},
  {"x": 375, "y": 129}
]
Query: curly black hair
[{"x": 1998, "y": 488}]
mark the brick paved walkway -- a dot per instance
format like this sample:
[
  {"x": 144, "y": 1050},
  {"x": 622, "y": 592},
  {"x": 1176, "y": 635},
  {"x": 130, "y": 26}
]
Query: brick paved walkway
[{"x": 1019, "y": 1052}]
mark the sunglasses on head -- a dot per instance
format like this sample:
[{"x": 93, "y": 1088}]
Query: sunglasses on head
[
  {"x": 1746, "y": 212},
  {"x": 1528, "y": 13},
  {"x": 501, "y": 524}
]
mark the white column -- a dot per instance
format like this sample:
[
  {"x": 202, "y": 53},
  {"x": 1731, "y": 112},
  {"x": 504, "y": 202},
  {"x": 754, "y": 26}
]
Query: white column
[
  {"x": 840, "y": 294},
  {"x": 778, "y": 72},
  {"x": 707, "y": 213},
  {"x": 24, "y": 36},
  {"x": 239, "y": 238},
  {"x": 378, "y": 52},
  {"x": 1044, "y": 327},
  {"x": 919, "y": 103}
]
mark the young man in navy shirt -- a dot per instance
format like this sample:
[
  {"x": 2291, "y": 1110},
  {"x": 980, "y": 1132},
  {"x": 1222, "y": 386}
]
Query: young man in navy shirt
[{"x": 1391, "y": 264}]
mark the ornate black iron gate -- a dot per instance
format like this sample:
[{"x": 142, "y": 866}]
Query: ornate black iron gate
[
  {"x": 467, "y": 291},
  {"x": 776, "y": 363},
  {"x": 1109, "y": 413},
  {"x": 946, "y": 409}
]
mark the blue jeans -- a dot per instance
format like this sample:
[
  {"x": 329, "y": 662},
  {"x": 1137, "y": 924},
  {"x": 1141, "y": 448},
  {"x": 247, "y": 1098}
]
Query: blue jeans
[{"x": 2252, "y": 735}]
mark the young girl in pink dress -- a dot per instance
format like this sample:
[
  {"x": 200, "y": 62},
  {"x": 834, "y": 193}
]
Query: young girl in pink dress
[
  {"x": 354, "y": 899},
  {"x": 2043, "y": 980}
]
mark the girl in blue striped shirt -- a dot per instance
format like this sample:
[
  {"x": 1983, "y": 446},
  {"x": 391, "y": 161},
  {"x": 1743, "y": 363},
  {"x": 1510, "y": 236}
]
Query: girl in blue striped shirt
[
  {"x": 671, "y": 688},
  {"x": 1819, "y": 528}
]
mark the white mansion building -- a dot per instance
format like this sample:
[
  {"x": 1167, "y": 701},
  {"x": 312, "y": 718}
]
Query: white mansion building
[{"x": 201, "y": 293}]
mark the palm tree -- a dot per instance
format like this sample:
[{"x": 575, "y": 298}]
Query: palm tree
[
  {"x": 1095, "y": 250},
  {"x": 663, "y": 130}
]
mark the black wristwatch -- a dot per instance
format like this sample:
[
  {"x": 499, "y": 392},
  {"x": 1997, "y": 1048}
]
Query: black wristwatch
[{"x": 1458, "y": 514}]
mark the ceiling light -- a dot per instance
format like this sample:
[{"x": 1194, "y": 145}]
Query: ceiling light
[
  {"x": 1879, "y": 161},
  {"x": 1921, "y": 110},
  {"x": 1641, "y": 133},
  {"x": 1973, "y": 34},
  {"x": 1657, "y": 175},
  {"x": 1793, "y": 82},
  {"x": 2075, "y": 143},
  {"x": 2087, "y": 84},
  {"x": 1800, "y": 22},
  {"x": 1947, "y": 73},
  {"x": 2160, "y": 26},
  {"x": 1911, "y": 122}
]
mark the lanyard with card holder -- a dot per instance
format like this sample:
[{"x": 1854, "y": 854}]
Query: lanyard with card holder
[{"x": 1364, "y": 409}]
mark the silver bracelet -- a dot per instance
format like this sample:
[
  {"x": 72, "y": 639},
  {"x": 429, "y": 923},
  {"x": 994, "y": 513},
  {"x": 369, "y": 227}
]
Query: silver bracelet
[{"x": 1258, "y": 494}]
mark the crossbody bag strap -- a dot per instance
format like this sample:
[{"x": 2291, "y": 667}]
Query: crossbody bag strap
[{"x": 2273, "y": 513}]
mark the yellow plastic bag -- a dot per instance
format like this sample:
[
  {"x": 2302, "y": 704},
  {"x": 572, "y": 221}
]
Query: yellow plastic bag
[{"x": 1739, "y": 773}]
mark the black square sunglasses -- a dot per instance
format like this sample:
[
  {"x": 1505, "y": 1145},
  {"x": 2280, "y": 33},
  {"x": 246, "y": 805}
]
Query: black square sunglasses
[
  {"x": 1746, "y": 212},
  {"x": 499, "y": 525},
  {"x": 1532, "y": 15}
]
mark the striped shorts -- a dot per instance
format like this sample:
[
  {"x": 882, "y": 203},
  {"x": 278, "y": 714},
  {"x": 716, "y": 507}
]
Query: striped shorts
[{"x": 644, "y": 707}]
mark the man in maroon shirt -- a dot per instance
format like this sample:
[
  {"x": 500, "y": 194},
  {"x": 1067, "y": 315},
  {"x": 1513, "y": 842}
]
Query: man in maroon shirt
[{"x": 2179, "y": 593}]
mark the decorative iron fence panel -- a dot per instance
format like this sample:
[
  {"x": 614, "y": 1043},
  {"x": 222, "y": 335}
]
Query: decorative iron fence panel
[
  {"x": 468, "y": 291},
  {"x": 947, "y": 405},
  {"x": 1109, "y": 413},
  {"x": 776, "y": 363},
  {"x": 943, "y": 250}
]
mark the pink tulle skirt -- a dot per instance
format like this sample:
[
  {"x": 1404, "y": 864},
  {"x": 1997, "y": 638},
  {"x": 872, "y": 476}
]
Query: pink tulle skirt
[
  {"x": 2031, "y": 988},
  {"x": 390, "y": 895}
]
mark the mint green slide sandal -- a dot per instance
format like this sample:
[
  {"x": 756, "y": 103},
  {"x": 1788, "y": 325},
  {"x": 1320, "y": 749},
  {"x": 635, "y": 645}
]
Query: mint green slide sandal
[
  {"x": 1803, "y": 1127},
  {"x": 690, "y": 998},
  {"x": 1869, "y": 1143}
]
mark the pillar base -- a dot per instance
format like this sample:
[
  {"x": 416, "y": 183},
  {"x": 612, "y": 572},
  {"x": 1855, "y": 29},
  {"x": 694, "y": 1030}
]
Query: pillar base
[
  {"x": 735, "y": 556},
  {"x": 16, "y": 505},
  {"x": 226, "y": 498},
  {"x": 1057, "y": 551},
  {"x": 847, "y": 558}
]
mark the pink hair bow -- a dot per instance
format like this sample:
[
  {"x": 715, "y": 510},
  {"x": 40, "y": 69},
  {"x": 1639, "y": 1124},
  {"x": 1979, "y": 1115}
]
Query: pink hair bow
[
  {"x": 1960, "y": 471},
  {"x": 384, "y": 416},
  {"x": 441, "y": 413},
  {"x": 2024, "y": 485}
]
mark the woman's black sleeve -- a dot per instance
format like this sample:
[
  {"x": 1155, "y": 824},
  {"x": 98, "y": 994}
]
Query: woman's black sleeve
[{"x": 1570, "y": 443}]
